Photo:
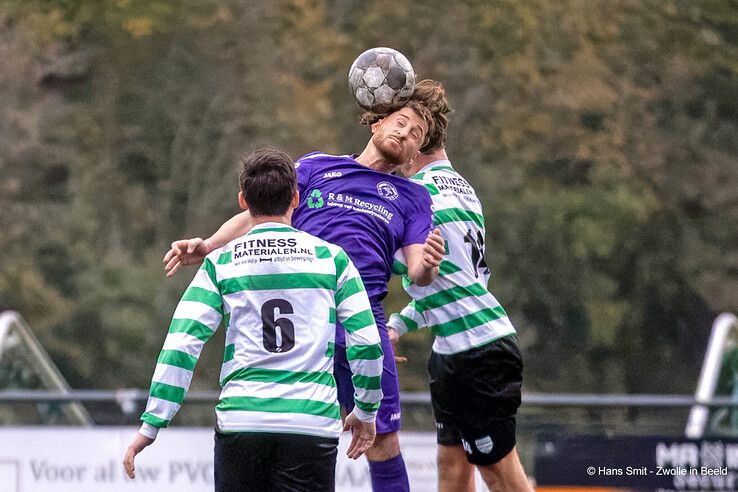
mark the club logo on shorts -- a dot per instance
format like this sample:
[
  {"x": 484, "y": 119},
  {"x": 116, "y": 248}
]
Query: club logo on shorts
[
  {"x": 484, "y": 445},
  {"x": 387, "y": 190}
]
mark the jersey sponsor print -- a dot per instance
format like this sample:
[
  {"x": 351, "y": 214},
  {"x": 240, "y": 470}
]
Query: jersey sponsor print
[{"x": 368, "y": 213}]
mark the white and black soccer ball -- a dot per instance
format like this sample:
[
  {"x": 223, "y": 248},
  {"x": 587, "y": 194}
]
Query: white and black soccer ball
[{"x": 381, "y": 79}]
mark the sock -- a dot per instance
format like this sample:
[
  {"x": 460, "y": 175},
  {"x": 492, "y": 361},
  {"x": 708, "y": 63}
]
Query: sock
[{"x": 389, "y": 476}]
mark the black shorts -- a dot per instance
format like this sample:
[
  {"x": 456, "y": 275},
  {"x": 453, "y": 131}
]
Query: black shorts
[
  {"x": 265, "y": 462},
  {"x": 475, "y": 396}
]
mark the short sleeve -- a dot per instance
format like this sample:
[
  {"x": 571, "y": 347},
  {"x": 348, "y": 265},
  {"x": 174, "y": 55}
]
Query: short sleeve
[
  {"x": 304, "y": 168},
  {"x": 419, "y": 218}
]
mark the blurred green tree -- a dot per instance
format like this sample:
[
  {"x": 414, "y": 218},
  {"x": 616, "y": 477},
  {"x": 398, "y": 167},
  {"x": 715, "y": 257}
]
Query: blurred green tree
[{"x": 601, "y": 136}]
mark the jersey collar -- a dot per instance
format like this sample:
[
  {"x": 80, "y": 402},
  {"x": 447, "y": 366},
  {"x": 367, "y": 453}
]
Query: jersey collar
[
  {"x": 432, "y": 165},
  {"x": 274, "y": 226}
]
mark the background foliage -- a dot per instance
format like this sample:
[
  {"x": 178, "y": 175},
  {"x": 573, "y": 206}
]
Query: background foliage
[{"x": 601, "y": 136}]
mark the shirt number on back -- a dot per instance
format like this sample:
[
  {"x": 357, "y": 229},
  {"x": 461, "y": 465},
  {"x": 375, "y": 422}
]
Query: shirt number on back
[
  {"x": 278, "y": 333},
  {"x": 477, "y": 251}
]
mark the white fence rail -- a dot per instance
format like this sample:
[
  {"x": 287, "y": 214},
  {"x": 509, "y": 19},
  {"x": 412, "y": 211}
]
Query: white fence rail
[
  {"x": 125, "y": 397},
  {"x": 719, "y": 341}
]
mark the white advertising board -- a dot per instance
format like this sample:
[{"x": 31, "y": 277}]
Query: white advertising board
[{"x": 74, "y": 459}]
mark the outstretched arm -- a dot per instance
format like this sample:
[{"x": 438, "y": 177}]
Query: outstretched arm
[{"x": 192, "y": 251}]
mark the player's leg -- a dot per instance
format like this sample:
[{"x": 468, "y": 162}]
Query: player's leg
[
  {"x": 490, "y": 445},
  {"x": 386, "y": 464},
  {"x": 304, "y": 463},
  {"x": 506, "y": 474},
  {"x": 242, "y": 461},
  {"x": 455, "y": 473},
  {"x": 491, "y": 378}
]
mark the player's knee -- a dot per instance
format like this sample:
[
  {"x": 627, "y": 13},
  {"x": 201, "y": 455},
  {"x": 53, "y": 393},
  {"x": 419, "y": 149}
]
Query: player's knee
[
  {"x": 506, "y": 474},
  {"x": 452, "y": 462},
  {"x": 456, "y": 472},
  {"x": 385, "y": 447}
]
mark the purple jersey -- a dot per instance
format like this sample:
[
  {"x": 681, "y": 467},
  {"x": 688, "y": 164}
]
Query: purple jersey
[{"x": 368, "y": 213}]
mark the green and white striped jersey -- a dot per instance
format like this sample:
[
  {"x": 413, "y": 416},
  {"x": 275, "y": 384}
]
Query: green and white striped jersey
[
  {"x": 457, "y": 306},
  {"x": 279, "y": 292}
]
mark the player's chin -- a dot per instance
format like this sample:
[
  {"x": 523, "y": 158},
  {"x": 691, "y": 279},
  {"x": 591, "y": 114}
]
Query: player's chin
[{"x": 394, "y": 154}]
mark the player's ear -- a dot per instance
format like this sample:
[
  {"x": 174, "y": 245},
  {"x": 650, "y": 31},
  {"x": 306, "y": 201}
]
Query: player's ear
[
  {"x": 376, "y": 125},
  {"x": 242, "y": 201},
  {"x": 295, "y": 199}
]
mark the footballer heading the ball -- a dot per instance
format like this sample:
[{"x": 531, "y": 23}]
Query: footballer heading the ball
[{"x": 381, "y": 80}]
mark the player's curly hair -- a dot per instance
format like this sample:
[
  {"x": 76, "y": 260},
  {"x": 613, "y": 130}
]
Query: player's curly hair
[{"x": 432, "y": 95}]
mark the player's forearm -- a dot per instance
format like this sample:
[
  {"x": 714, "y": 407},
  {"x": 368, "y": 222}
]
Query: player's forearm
[
  {"x": 366, "y": 411},
  {"x": 366, "y": 377},
  {"x": 419, "y": 270},
  {"x": 236, "y": 226},
  {"x": 363, "y": 343},
  {"x": 366, "y": 361},
  {"x": 421, "y": 274},
  {"x": 170, "y": 382},
  {"x": 171, "y": 379},
  {"x": 409, "y": 319}
]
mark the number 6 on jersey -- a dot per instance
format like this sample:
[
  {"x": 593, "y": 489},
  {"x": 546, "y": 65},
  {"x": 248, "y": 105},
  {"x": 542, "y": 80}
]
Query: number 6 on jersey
[{"x": 284, "y": 339}]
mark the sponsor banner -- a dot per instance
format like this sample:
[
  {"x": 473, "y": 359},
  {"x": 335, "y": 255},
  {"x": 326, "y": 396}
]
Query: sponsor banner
[
  {"x": 75, "y": 459},
  {"x": 643, "y": 463}
]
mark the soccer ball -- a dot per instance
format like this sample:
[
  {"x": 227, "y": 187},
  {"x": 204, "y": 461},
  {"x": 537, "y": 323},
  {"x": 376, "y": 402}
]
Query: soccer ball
[{"x": 381, "y": 79}]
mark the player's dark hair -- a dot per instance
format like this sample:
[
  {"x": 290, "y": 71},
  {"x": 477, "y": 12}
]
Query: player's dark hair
[
  {"x": 268, "y": 182},
  {"x": 432, "y": 94}
]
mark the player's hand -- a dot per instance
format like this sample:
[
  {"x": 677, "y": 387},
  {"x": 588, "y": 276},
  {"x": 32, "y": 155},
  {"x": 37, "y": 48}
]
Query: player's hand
[
  {"x": 362, "y": 435},
  {"x": 137, "y": 445},
  {"x": 394, "y": 338},
  {"x": 185, "y": 252},
  {"x": 433, "y": 249}
]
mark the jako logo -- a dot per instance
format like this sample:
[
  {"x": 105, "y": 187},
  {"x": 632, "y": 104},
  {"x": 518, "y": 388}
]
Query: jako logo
[
  {"x": 315, "y": 199},
  {"x": 466, "y": 446},
  {"x": 334, "y": 174},
  {"x": 387, "y": 190}
]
